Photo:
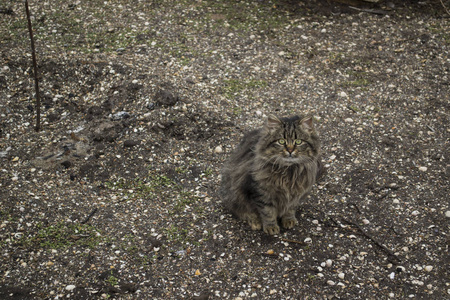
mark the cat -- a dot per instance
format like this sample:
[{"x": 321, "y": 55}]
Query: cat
[{"x": 271, "y": 171}]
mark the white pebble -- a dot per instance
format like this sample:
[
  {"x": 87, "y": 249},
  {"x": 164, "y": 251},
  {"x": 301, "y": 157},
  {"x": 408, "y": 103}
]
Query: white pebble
[
  {"x": 218, "y": 150},
  {"x": 331, "y": 282},
  {"x": 391, "y": 295},
  {"x": 447, "y": 213},
  {"x": 308, "y": 240},
  {"x": 341, "y": 275},
  {"x": 329, "y": 263},
  {"x": 395, "y": 201},
  {"x": 348, "y": 120},
  {"x": 365, "y": 221},
  {"x": 343, "y": 94},
  {"x": 70, "y": 287},
  {"x": 428, "y": 268},
  {"x": 415, "y": 213},
  {"x": 423, "y": 169}
]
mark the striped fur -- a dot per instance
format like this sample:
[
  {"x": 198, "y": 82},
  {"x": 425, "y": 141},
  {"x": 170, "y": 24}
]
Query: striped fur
[{"x": 271, "y": 171}]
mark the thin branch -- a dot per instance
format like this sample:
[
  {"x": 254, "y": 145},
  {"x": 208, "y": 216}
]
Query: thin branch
[
  {"x": 35, "y": 68},
  {"x": 89, "y": 216},
  {"x": 390, "y": 254},
  {"x": 294, "y": 242},
  {"x": 445, "y": 7}
]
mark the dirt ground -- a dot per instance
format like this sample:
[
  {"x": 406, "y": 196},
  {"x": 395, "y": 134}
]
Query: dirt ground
[{"x": 142, "y": 101}]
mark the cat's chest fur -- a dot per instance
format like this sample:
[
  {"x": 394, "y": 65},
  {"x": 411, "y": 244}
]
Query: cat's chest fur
[{"x": 286, "y": 185}]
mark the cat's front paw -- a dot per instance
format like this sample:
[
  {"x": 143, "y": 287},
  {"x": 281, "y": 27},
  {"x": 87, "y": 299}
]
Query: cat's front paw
[
  {"x": 255, "y": 224},
  {"x": 272, "y": 229},
  {"x": 289, "y": 223}
]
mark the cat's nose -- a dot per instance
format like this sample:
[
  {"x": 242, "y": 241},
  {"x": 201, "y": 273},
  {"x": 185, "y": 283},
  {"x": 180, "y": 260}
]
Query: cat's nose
[{"x": 290, "y": 148}]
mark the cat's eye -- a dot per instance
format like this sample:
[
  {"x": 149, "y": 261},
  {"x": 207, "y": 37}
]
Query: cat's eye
[
  {"x": 281, "y": 141},
  {"x": 298, "y": 142}
]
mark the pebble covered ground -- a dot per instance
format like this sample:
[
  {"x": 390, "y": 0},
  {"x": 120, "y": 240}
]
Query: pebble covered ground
[{"x": 142, "y": 101}]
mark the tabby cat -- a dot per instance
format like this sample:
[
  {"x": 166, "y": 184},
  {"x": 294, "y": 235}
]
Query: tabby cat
[{"x": 271, "y": 171}]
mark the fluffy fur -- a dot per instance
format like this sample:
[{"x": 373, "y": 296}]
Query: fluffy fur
[{"x": 271, "y": 171}]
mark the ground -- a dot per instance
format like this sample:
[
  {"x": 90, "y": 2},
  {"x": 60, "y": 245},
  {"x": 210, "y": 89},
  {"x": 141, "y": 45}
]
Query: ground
[{"x": 142, "y": 102}]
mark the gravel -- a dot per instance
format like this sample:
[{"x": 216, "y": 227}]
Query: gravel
[{"x": 116, "y": 196}]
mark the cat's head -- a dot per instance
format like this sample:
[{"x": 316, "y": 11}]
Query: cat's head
[{"x": 288, "y": 141}]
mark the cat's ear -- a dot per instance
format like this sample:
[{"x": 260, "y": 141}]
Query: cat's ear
[
  {"x": 307, "y": 124},
  {"x": 273, "y": 122}
]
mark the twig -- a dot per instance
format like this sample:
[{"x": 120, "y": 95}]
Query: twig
[
  {"x": 89, "y": 216},
  {"x": 36, "y": 82},
  {"x": 355, "y": 206},
  {"x": 294, "y": 241},
  {"x": 445, "y": 7},
  {"x": 386, "y": 250},
  {"x": 370, "y": 10}
]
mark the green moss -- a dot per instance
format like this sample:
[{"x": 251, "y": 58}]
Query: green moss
[
  {"x": 234, "y": 87},
  {"x": 62, "y": 236}
]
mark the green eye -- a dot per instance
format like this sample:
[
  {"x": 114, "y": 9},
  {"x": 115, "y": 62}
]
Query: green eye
[
  {"x": 281, "y": 141},
  {"x": 298, "y": 142}
]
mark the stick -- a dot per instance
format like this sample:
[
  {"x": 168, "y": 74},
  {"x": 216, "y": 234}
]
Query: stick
[
  {"x": 89, "y": 216},
  {"x": 386, "y": 250},
  {"x": 294, "y": 242},
  {"x": 36, "y": 82},
  {"x": 445, "y": 7}
]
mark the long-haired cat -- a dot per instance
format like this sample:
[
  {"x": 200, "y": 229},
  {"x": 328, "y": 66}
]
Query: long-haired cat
[{"x": 271, "y": 171}]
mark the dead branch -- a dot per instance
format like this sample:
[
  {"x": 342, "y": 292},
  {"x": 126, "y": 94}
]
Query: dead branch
[
  {"x": 391, "y": 255},
  {"x": 35, "y": 68}
]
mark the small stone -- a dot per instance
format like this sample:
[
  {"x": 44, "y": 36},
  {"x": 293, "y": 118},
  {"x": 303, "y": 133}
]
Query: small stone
[
  {"x": 341, "y": 275},
  {"x": 270, "y": 252},
  {"x": 120, "y": 115},
  {"x": 197, "y": 272},
  {"x": 423, "y": 169},
  {"x": 130, "y": 143},
  {"x": 308, "y": 240},
  {"x": 331, "y": 282},
  {"x": 218, "y": 150},
  {"x": 348, "y": 120},
  {"x": 428, "y": 268},
  {"x": 165, "y": 98},
  {"x": 329, "y": 263},
  {"x": 400, "y": 269},
  {"x": 447, "y": 213},
  {"x": 365, "y": 221},
  {"x": 70, "y": 287},
  {"x": 343, "y": 94}
]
